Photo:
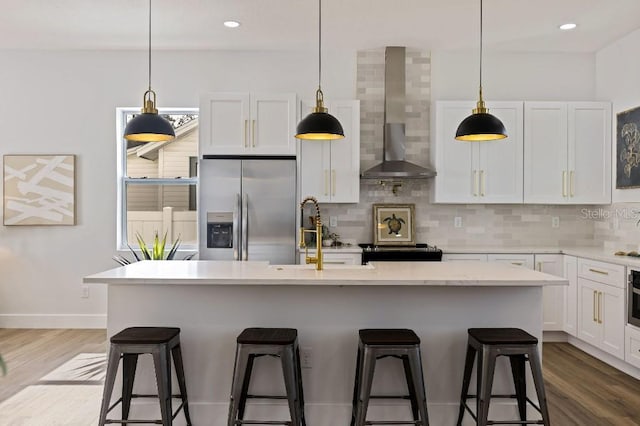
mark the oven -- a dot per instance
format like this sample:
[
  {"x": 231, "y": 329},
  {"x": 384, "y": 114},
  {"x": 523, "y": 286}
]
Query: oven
[
  {"x": 633, "y": 301},
  {"x": 417, "y": 253}
]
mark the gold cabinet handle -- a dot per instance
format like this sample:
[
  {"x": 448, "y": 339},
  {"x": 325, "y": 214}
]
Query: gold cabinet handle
[
  {"x": 572, "y": 175},
  {"x": 564, "y": 183},
  {"x": 482, "y": 183},
  {"x": 333, "y": 182},
  {"x": 595, "y": 306},
  {"x": 540, "y": 266},
  {"x": 246, "y": 123},
  {"x": 597, "y": 271},
  {"x": 475, "y": 183},
  {"x": 517, "y": 263},
  {"x": 599, "y": 307},
  {"x": 326, "y": 182},
  {"x": 253, "y": 133}
]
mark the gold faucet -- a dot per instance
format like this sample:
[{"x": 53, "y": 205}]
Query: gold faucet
[{"x": 318, "y": 231}]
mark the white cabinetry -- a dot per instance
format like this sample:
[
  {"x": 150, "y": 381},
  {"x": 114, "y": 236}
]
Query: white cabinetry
[
  {"x": 524, "y": 260},
  {"x": 632, "y": 345},
  {"x": 485, "y": 172},
  {"x": 570, "y": 319},
  {"x": 601, "y": 303},
  {"x": 473, "y": 257},
  {"x": 335, "y": 257},
  {"x": 567, "y": 152},
  {"x": 247, "y": 123},
  {"x": 330, "y": 170},
  {"x": 553, "y": 303}
]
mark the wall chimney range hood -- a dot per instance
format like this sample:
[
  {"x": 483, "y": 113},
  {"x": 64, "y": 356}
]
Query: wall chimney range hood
[{"x": 394, "y": 165}]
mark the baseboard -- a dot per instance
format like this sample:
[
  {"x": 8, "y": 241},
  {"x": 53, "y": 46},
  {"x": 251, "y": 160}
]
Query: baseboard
[
  {"x": 52, "y": 321},
  {"x": 605, "y": 357},
  {"x": 554, "y": 336}
]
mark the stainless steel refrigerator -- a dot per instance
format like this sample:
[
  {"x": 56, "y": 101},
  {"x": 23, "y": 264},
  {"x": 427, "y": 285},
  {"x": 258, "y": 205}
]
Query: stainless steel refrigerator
[{"x": 247, "y": 209}]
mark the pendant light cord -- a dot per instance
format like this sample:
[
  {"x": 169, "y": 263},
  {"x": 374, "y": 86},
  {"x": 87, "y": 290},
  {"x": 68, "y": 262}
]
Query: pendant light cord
[
  {"x": 481, "y": 49},
  {"x": 319, "y": 42},
  {"x": 149, "y": 44}
]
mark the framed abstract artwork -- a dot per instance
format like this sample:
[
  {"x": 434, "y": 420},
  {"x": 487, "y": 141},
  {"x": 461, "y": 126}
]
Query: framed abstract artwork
[
  {"x": 39, "y": 190},
  {"x": 628, "y": 149},
  {"x": 393, "y": 224}
]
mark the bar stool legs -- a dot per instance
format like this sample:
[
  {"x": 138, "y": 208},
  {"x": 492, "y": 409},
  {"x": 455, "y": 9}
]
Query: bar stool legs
[
  {"x": 487, "y": 345},
  {"x": 257, "y": 342},
  {"x": 375, "y": 344},
  {"x": 163, "y": 344}
]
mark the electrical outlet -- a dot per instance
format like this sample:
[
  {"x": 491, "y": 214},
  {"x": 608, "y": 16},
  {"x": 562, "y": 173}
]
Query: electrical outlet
[
  {"x": 85, "y": 292},
  {"x": 555, "y": 222},
  {"x": 333, "y": 221},
  {"x": 457, "y": 222},
  {"x": 305, "y": 357}
]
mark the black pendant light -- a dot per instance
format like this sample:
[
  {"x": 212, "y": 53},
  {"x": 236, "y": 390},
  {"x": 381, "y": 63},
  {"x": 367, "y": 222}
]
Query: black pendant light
[
  {"x": 319, "y": 125},
  {"x": 481, "y": 126},
  {"x": 149, "y": 126}
]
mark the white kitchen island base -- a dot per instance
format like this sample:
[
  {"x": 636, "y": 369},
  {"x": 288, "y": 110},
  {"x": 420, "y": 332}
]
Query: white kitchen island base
[{"x": 213, "y": 302}]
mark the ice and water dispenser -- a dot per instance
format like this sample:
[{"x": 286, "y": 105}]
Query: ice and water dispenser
[{"x": 219, "y": 230}]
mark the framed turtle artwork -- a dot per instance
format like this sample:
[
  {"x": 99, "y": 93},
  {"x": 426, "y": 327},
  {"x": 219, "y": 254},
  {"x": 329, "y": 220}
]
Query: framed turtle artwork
[{"x": 394, "y": 224}]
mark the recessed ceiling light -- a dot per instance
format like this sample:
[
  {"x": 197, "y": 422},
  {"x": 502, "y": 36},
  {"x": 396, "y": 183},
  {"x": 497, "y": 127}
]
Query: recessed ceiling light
[
  {"x": 568, "y": 26},
  {"x": 231, "y": 24}
]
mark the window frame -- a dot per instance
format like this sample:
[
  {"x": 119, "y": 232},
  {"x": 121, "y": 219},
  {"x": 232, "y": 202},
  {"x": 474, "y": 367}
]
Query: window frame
[{"x": 122, "y": 180}]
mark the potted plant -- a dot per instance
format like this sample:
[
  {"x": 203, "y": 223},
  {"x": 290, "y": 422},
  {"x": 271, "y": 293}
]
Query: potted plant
[{"x": 155, "y": 252}]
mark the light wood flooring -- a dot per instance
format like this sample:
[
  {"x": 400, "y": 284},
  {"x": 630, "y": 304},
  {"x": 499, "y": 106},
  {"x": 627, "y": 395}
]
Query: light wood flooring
[{"x": 580, "y": 389}]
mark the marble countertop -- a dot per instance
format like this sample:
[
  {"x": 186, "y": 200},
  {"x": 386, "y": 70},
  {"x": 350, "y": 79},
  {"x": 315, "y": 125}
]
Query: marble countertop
[{"x": 198, "y": 272}]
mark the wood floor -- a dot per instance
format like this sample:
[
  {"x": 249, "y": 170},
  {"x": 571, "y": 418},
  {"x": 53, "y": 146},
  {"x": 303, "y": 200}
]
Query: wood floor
[{"x": 580, "y": 389}]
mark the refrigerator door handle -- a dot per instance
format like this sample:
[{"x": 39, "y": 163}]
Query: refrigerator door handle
[
  {"x": 236, "y": 222},
  {"x": 245, "y": 227}
]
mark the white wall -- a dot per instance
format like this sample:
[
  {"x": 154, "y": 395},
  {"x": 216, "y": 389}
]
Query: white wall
[
  {"x": 513, "y": 76},
  {"x": 64, "y": 102},
  {"x": 618, "y": 79}
]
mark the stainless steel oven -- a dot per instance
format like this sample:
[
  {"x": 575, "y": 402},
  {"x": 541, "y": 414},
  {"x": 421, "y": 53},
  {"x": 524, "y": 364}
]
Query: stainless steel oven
[{"x": 633, "y": 301}]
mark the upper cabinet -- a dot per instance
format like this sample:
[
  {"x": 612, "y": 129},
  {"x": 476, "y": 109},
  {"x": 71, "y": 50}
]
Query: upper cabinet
[
  {"x": 567, "y": 152},
  {"x": 330, "y": 170},
  {"x": 239, "y": 123},
  {"x": 478, "y": 172}
]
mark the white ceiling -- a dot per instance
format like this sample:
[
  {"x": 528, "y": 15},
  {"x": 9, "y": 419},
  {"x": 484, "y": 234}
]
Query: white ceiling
[{"x": 292, "y": 24}]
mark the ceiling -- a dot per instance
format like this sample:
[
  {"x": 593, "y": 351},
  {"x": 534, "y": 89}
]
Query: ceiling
[{"x": 524, "y": 25}]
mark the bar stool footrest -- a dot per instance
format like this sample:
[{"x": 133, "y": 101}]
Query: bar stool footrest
[
  {"x": 267, "y": 396},
  {"x": 390, "y": 396},
  {"x": 393, "y": 422},
  {"x": 263, "y": 422}
]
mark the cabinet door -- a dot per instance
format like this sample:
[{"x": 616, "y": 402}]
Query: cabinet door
[
  {"x": 224, "y": 123},
  {"x": 345, "y": 154},
  {"x": 273, "y": 123},
  {"x": 571, "y": 295},
  {"x": 315, "y": 170},
  {"x": 545, "y": 152},
  {"x": 553, "y": 296},
  {"x": 589, "y": 126},
  {"x": 612, "y": 318},
  {"x": 589, "y": 329},
  {"x": 500, "y": 161},
  {"x": 458, "y": 175}
]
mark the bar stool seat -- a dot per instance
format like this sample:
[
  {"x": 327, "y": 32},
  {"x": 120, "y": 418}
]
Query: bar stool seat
[
  {"x": 162, "y": 343},
  {"x": 374, "y": 344},
  {"x": 256, "y": 342},
  {"x": 488, "y": 344}
]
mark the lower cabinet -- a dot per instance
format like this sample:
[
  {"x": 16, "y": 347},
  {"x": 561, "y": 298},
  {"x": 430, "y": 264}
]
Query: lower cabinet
[
  {"x": 553, "y": 297},
  {"x": 601, "y": 320},
  {"x": 330, "y": 258},
  {"x": 632, "y": 345},
  {"x": 570, "y": 320},
  {"x": 465, "y": 257}
]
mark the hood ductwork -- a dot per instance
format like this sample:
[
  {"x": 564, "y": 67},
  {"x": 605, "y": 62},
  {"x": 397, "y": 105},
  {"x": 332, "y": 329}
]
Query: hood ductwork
[{"x": 394, "y": 165}]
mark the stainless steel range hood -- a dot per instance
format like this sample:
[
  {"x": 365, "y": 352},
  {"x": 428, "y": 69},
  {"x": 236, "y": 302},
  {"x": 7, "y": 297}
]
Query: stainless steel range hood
[{"x": 394, "y": 165}]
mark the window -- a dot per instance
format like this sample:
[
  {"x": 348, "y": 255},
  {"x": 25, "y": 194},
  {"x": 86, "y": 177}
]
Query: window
[{"x": 157, "y": 182}]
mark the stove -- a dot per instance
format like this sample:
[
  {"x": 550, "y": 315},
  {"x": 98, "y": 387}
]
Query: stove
[{"x": 417, "y": 253}]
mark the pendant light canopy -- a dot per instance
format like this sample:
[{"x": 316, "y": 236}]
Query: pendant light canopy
[
  {"x": 319, "y": 125},
  {"x": 480, "y": 125},
  {"x": 149, "y": 126}
]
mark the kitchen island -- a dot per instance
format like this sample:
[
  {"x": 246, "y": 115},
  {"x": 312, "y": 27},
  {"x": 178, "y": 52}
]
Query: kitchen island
[{"x": 213, "y": 301}]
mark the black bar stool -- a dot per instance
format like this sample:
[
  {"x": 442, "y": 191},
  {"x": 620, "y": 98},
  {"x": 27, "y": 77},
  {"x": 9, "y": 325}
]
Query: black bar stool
[
  {"x": 519, "y": 346},
  {"x": 253, "y": 343},
  {"x": 381, "y": 343},
  {"x": 161, "y": 343}
]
